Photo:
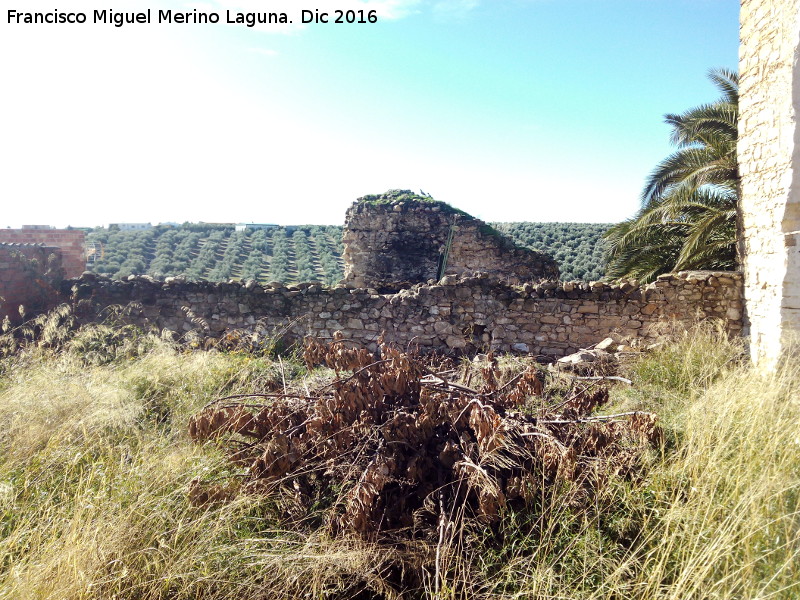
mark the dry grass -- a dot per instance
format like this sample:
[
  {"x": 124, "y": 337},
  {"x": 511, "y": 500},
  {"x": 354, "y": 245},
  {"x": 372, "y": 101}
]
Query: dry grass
[
  {"x": 95, "y": 465},
  {"x": 718, "y": 514}
]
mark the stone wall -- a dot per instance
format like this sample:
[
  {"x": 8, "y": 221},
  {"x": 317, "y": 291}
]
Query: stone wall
[
  {"x": 71, "y": 241},
  {"x": 458, "y": 314},
  {"x": 769, "y": 157},
  {"x": 29, "y": 276},
  {"x": 401, "y": 238}
]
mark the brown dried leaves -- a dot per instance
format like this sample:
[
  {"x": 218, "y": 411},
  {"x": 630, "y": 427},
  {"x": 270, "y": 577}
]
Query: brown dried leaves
[{"x": 390, "y": 441}]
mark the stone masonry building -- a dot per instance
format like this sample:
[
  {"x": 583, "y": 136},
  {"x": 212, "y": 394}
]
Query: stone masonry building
[
  {"x": 72, "y": 244},
  {"x": 769, "y": 164},
  {"x": 29, "y": 278}
]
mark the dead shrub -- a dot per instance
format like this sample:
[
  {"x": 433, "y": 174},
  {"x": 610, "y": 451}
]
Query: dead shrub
[{"x": 392, "y": 440}]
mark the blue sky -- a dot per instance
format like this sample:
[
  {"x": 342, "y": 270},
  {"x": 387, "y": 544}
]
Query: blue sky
[{"x": 513, "y": 110}]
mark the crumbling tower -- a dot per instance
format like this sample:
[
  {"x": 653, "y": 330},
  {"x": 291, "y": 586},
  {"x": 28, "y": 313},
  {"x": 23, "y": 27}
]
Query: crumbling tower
[{"x": 401, "y": 238}]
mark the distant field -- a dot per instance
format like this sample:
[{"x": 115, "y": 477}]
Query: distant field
[
  {"x": 303, "y": 253},
  {"x": 576, "y": 247},
  {"x": 218, "y": 253}
]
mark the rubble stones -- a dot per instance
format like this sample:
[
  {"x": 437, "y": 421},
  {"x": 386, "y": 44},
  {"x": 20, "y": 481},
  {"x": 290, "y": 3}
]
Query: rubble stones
[
  {"x": 587, "y": 361},
  {"x": 605, "y": 344},
  {"x": 584, "y": 356}
]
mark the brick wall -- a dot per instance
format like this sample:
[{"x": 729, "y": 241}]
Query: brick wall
[
  {"x": 29, "y": 276},
  {"x": 72, "y": 243}
]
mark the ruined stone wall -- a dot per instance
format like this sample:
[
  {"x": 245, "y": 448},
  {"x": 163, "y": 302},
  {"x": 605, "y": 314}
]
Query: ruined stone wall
[
  {"x": 392, "y": 238},
  {"x": 71, "y": 241},
  {"x": 467, "y": 314},
  {"x": 769, "y": 158},
  {"x": 29, "y": 277}
]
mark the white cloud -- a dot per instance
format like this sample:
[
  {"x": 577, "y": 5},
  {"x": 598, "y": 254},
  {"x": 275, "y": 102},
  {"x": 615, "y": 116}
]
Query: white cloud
[{"x": 454, "y": 9}]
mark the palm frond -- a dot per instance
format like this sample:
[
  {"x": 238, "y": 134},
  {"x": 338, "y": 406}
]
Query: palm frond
[
  {"x": 689, "y": 168},
  {"x": 687, "y": 218},
  {"x": 698, "y": 125},
  {"x": 727, "y": 82}
]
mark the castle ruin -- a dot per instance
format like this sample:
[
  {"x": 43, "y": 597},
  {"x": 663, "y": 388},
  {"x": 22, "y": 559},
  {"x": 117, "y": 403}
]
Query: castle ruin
[
  {"x": 399, "y": 238},
  {"x": 390, "y": 241}
]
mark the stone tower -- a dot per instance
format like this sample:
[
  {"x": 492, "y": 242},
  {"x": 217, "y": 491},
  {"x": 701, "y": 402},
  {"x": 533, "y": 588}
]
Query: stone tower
[
  {"x": 399, "y": 238},
  {"x": 769, "y": 165}
]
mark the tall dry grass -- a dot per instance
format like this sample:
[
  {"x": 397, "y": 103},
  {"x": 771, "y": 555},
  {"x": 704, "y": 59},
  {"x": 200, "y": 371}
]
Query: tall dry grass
[
  {"x": 94, "y": 472},
  {"x": 95, "y": 466},
  {"x": 728, "y": 524},
  {"x": 717, "y": 513}
]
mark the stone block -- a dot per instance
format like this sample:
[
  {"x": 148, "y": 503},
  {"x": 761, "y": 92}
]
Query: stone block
[
  {"x": 592, "y": 308},
  {"x": 649, "y": 309},
  {"x": 441, "y": 327},
  {"x": 455, "y": 342}
]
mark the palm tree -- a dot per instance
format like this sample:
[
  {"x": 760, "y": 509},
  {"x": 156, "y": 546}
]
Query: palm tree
[{"x": 688, "y": 218}]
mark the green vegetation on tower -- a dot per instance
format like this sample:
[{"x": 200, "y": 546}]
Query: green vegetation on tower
[{"x": 408, "y": 196}]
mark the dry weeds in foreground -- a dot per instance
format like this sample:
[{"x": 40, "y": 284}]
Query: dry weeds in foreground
[{"x": 95, "y": 467}]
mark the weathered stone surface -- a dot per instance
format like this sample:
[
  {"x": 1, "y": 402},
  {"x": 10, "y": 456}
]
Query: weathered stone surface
[
  {"x": 455, "y": 342},
  {"x": 397, "y": 238},
  {"x": 591, "y": 307},
  {"x": 442, "y": 327},
  {"x": 70, "y": 243},
  {"x": 576, "y": 358},
  {"x": 769, "y": 164},
  {"x": 605, "y": 344},
  {"x": 28, "y": 274},
  {"x": 496, "y": 315}
]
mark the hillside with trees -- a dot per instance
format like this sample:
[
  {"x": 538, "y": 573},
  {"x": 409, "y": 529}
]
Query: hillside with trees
[
  {"x": 577, "y": 247},
  {"x": 200, "y": 251},
  {"x": 219, "y": 253}
]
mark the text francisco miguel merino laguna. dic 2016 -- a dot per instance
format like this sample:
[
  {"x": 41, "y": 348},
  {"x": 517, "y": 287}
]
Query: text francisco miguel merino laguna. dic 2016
[{"x": 249, "y": 19}]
